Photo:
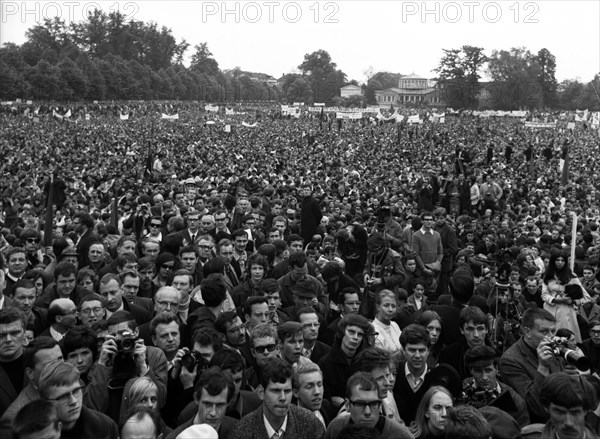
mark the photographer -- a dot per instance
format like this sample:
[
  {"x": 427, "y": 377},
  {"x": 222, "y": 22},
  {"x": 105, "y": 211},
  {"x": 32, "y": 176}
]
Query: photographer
[
  {"x": 139, "y": 221},
  {"x": 389, "y": 228},
  {"x": 527, "y": 362},
  {"x": 123, "y": 356},
  {"x": 383, "y": 271}
]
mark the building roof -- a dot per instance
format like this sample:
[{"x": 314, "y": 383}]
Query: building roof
[
  {"x": 412, "y": 76},
  {"x": 351, "y": 86},
  {"x": 406, "y": 91}
]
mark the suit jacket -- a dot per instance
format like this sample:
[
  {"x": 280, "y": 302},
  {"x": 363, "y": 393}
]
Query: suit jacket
[
  {"x": 301, "y": 424},
  {"x": 28, "y": 394},
  {"x": 186, "y": 237},
  {"x": 336, "y": 372},
  {"x": 319, "y": 351},
  {"x": 145, "y": 303},
  {"x": 140, "y": 315},
  {"x": 8, "y": 393},
  {"x": 83, "y": 245},
  {"x": 518, "y": 368},
  {"x": 226, "y": 430},
  {"x": 93, "y": 425}
]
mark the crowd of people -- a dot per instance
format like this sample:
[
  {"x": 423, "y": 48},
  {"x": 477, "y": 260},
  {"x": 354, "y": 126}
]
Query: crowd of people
[{"x": 296, "y": 277}]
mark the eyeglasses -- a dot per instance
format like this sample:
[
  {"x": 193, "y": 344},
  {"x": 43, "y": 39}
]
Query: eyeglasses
[
  {"x": 155, "y": 225},
  {"x": 32, "y": 240},
  {"x": 66, "y": 397},
  {"x": 373, "y": 405},
  {"x": 594, "y": 332},
  {"x": 353, "y": 333},
  {"x": 168, "y": 267},
  {"x": 88, "y": 311},
  {"x": 264, "y": 349}
]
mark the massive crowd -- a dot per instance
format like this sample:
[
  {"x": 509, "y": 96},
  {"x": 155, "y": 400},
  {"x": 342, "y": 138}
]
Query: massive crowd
[{"x": 296, "y": 277}]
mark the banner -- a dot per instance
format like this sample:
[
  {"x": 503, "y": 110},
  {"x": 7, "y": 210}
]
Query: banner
[
  {"x": 414, "y": 119},
  {"x": 88, "y": 117},
  {"x": 228, "y": 111},
  {"x": 351, "y": 116},
  {"x": 170, "y": 117},
  {"x": 29, "y": 102},
  {"x": 227, "y": 128},
  {"x": 254, "y": 125},
  {"x": 571, "y": 126},
  {"x": 67, "y": 114},
  {"x": 124, "y": 116},
  {"x": 540, "y": 124},
  {"x": 211, "y": 108}
]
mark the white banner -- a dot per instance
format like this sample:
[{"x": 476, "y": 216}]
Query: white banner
[
  {"x": 211, "y": 108},
  {"x": 124, "y": 116},
  {"x": 540, "y": 124},
  {"x": 254, "y": 125},
  {"x": 170, "y": 117},
  {"x": 227, "y": 128},
  {"x": 228, "y": 111},
  {"x": 351, "y": 116}
]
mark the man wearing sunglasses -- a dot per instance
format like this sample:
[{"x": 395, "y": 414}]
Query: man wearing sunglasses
[
  {"x": 365, "y": 409},
  {"x": 30, "y": 240},
  {"x": 264, "y": 346}
]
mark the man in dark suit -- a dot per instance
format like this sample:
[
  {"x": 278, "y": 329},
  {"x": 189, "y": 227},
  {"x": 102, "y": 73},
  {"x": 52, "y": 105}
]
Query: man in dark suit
[
  {"x": 525, "y": 364},
  {"x": 131, "y": 286},
  {"x": 310, "y": 213},
  {"x": 84, "y": 227},
  {"x": 12, "y": 376},
  {"x": 461, "y": 289},
  {"x": 313, "y": 349},
  {"x": 277, "y": 408},
  {"x": 192, "y": 233},
  {"x": 111, "y": 288},
  {"x": 213, "y": 392}
]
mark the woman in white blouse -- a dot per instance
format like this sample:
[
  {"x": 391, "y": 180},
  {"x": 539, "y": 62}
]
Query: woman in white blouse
[{"x": 388, "y": 332}]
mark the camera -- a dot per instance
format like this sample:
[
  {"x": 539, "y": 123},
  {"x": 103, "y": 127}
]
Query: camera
[
  {"x": 560, "y": 348},
  {"x": 126, "y": 345},
  {"x": 191, "y": 359}
]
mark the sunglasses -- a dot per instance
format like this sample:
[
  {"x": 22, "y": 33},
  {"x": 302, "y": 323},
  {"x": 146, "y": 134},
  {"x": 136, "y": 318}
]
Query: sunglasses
[
  {"x": 32, "y": 240},
  {"x": 265, "y": 349}
]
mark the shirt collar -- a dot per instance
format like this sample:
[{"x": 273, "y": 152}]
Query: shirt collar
[
  {"x": 271, "y": 431},
  {"x": 407, "y": 372},
  {"x": 423, "y": 231}
]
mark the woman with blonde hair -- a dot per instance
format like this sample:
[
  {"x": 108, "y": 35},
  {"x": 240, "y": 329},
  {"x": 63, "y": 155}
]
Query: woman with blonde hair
[
  {"x": 140, "y": 391},
  {"x": 431, "y": 414},
  {"x": 388, "y": 331}
]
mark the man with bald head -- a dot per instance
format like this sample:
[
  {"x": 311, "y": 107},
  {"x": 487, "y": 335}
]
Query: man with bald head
[{"x": 62, "y": 316}]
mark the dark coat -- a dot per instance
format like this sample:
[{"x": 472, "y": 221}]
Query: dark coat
[
  {"x": 92, "y": 425},
  {"x": 518, "y": 368},
  {"x": 310, "y": 217},
  {"x": 449, "y": 315},
  {"x": 336, "y": 372},
  {"x": 301, "y": 424},
  {"x": 319, "y": 351},
  {"x": 407, "y": 400}
]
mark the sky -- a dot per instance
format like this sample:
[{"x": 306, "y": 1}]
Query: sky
[{"x": 361, "y": 36}]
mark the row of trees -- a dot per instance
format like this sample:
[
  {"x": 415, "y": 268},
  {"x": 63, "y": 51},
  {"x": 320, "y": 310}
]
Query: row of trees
[
  {"x": 105, "y": 57},
  {"x": 520, "y": 79}
]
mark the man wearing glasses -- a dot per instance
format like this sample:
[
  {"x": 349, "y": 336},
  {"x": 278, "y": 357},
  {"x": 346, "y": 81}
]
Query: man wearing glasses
[
  {"x": 30, "y": 239},
  {"x": 155, "y": 229},
  {"x": 365, "y": 409},
  {"x": 264, "y": 346},
  {"x": 77, "y": 420},
  {"x": 428, "y": 249},
  {"x": 92, "y": 309}
]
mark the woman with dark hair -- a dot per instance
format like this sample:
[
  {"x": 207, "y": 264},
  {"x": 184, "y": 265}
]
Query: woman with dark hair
[
  {"x": 40, "y": 278},
  {"x": 256, "y": 267},
  {"x": 563, "y": 293},
  {"x": 432, "y": 321}
]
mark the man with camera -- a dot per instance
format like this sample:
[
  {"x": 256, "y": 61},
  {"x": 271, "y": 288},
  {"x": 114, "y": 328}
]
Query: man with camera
[
  {"x": 124, "y": 356},
  {"x": 526, "y": 363},
  {"x": 383, "y": 270}
]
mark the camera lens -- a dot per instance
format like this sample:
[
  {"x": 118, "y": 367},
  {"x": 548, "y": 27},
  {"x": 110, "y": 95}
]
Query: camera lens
[{"x": 188, "y": 361}]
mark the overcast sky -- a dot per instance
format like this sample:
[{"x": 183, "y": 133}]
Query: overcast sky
[{"x": 397, "y": 36}]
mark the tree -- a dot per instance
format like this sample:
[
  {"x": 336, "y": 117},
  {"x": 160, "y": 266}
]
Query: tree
[
  {"x": 74, "y": 78},
  {"x": 324, "y": 77},
  {"x": 45, "y": 81},
  {"x": 516, "y": 73},
  {"x": 458, "y": 72},
  {"x": 547, "y": 76},
  {"x": 203, "y": 61},
  {"x": 299, "y": 91}
]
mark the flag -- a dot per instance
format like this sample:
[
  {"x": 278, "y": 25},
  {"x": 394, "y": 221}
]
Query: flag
[
  {"x": 564, "y": 179},
  {"x": 49, "y": 214},
  {"x": 114, "y": 214}
]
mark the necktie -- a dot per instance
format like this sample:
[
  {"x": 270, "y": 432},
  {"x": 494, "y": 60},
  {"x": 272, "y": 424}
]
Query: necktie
[
  {"x": 193, "y": 238},
  {"x": 275, "y": 436}
]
